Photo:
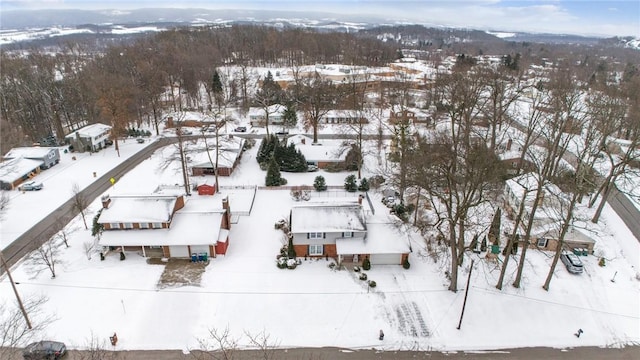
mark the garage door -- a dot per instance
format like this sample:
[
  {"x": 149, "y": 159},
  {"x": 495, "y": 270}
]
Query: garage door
[
  {"x": 200, "y": 249},
  {"x": 179, "y": 251},
  {"x": 386, "y": 259}
]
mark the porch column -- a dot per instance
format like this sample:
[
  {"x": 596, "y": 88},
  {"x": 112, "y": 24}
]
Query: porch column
[{"x": 144, "y": 254}]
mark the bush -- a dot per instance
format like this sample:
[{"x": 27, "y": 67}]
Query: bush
[
  {"x": 601, "y": 262},
  {"x": 319, "y": 183},
  {"x": 363, "y": 276},
  {"x": 281, "y": 263},
  {"x": 372, "y": 283},
  {"x": 356, "y": 268},
  {"x": 366, "y": 264},
  {"x": 364, "y": 185},
  {"x": 350, "y": 183},
  {"x": 405, "y": 263}
]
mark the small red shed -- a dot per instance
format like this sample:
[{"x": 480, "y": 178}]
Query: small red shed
[{"x": 206, "y": 189}]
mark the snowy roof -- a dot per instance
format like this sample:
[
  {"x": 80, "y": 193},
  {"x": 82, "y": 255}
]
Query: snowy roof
[
  {"x": 343, "y": 114},
  {"x": 14, "y": 169},
  {"x": 573, "y": 234},
  {"x": 186, "y": 229},
  {"x": 529, "y": 183},
  {"x": 230, "y": 149},
  {"x": 321, "y": 151},
  {"x": 382, "y": 238},
  {"x": 90, "y": 130},
  {"x": 273, "y": 109},
  {"x": 28, "y": 152},
  {"x": 135, "y": 209},
  {"x": 327, "y": 218}
]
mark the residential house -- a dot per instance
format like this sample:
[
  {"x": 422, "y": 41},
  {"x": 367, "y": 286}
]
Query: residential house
[
  {"x": 89, "y": 138},
  {"x": 523, "y": 188},
  {"x": 343, "y": 117},
  {"x": 342, "y": 231},
  {"x": 510, "y": 154},
  {"x": 15, "y": 171},
  {"x": 258, "y": 116},
  {"x": 230, "y": 150},
  {"x": 165, "y": 225},
  {"x": 49, "y": 156},
  {"x": 322, "y": 154},
  {"x": 193, "y": 119},
  {"x": 410, "y": 117},
  {"x": 574, "y": 239}
]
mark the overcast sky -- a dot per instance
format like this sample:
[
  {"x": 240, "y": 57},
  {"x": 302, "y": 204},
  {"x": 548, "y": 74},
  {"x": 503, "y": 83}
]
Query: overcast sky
[{"x": 587, "y": 17}]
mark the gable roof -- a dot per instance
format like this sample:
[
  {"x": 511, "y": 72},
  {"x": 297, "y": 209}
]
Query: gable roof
[
  {"x": 29, "y": 152},
  {"x": 322, "y": 151},
  {"x": 230, "y": 149},
  {"x": 381, "y": 238},
  {"x": 137, "y": 209},
  {"x": 14, "y": 169},
  {"x": 90, "y": 130},
  {"x": 327, "y": 218}
]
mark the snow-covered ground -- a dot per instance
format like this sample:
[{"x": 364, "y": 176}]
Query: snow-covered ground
[{"x": 313, "y": 305}]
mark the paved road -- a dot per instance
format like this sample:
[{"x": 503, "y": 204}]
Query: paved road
[{"x": 580, "y": 353}]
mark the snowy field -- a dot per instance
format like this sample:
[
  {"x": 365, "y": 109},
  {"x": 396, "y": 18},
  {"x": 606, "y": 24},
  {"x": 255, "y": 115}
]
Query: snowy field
[{"x": 313, "y": 305}]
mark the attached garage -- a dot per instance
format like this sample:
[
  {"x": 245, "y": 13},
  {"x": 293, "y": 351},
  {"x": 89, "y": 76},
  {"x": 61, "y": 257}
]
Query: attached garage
[
  {"x": 179, "y": 251},
  {"x": 386, "y": 259}
]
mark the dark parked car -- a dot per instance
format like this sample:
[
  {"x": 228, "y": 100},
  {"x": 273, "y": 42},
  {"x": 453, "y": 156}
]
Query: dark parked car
[
  {"x": 572, "y": 262},
  {"x": 241, "y": 129},
  {"x": 108, "y": 142},
  {"x": 45, "y": 350}
]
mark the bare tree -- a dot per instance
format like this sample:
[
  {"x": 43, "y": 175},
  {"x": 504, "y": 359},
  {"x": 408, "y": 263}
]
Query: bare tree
[
  {"x": 262, "y": 342},
  {"x": 270, "y": 94},
  {"x": 80, "y": 203},
  {"x": 46, "y": 257},
  {"x": 182, "y": 149},
  {"x": 220, "y": 345},
  {"x": 5, "y": 201},
  {"x": 65, "y": 232},
  {"x": 96, "y": 349},
  {"x": 14, "y": 331},
  {"x": 317, "y": 98}
]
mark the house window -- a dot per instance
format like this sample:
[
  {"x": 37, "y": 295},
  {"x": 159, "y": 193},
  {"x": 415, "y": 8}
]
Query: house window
[
  {"x": 114, "y": 225},
  {"x": 315, "y": 250},
  {"x": 316, "y": 235},
  {"x": 128, "y": 225},
  {"x": 542, "y": 242},
  {"x": 157, "y": 225},
  {"x": 347, "y": 234},
  {"x": 144, "y": 225}
]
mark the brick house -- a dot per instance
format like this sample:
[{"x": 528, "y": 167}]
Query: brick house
[{"x": 165, "y": 226}]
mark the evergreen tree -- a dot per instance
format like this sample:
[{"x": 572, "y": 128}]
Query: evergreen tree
[
  {"x": 483, "y": 244},
  {"x": 267, "y": 146},
  {"x": 350, "y": 183},
  {"x": 273, "y": 177},
  {"x": 364, "y": 185},
  {"x": 319, "y": 183},
  {"x": 216, "y": 84},
  {"x": 290, "y": 117},
  {"x": 291, "y": 252},
  {"x": 97, "y": 228}
]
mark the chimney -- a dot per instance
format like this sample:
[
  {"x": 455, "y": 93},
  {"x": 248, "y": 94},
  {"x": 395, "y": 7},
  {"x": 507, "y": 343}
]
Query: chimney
[
  {"x": 360, "y": 199},
  {"x": 226, "y": 222},
  {"x": 509, "y": 142},
  {"x": 170, "y": 121},
  {"x": 302, "y": 141},
  {"x": 106, "y": 200}
]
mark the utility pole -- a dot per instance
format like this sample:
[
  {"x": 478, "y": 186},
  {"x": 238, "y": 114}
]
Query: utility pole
[
  {"x": 15, "y": 291},
  {"x": 466, "y": 292}
]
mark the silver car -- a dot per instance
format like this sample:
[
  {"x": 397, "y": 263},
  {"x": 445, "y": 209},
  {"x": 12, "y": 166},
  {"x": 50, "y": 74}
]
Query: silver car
[
  {"x": 30, "y": 186},
  {"x": 572, "y": 262}
]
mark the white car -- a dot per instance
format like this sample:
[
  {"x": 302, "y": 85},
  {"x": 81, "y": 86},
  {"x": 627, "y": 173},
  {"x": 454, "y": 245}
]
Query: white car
[
  {"x": 31, "y": 186},
  {"x": 572, "y": 262}
]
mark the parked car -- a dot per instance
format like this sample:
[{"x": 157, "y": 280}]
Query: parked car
[
  {"x": 108, "y": 142},
  {"x": 140, "y": 140},
  {"x": 283, "y": 132},
  {"x": 45, "y": 350},
  {"x": 31, "y": 186},
  {"x": 240, "y": 129},
  {"x": 312, "y": 167},
  {"x": 572, "y": 262}
]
